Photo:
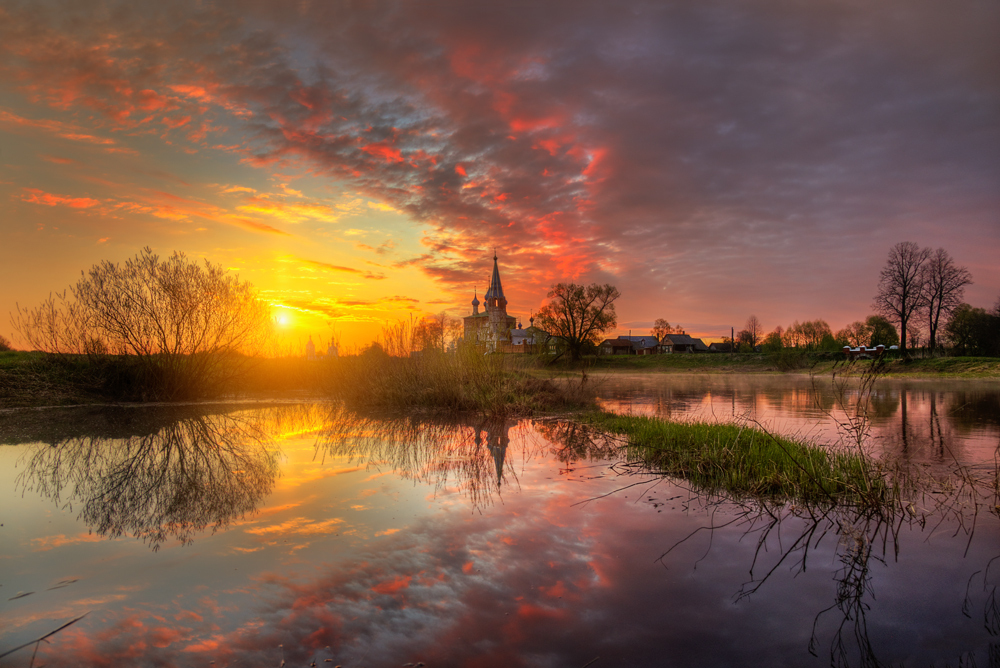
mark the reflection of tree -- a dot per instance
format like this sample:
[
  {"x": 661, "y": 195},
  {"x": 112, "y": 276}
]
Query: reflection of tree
[
  {"x": 469, "y": 453},
  {"x": 787, "y": 535},
  {"x": 171, "y": 482}
]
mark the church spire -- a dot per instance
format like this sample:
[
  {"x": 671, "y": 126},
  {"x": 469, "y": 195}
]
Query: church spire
[{"x": 496, "y": 288}]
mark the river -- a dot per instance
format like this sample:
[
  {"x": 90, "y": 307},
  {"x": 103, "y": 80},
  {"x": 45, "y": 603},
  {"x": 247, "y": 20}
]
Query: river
[{"x": 292, "y": 534}]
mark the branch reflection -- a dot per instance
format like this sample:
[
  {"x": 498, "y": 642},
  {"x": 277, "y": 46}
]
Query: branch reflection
[
  {"x": 788, "y": 532},
  {"x": 175, "y": 478}
]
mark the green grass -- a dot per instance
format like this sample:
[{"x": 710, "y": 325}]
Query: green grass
[
  {"x": 946, "y": 367},
  {"x": 791, "y": 360},
  {"x": 745, "y": 461}
]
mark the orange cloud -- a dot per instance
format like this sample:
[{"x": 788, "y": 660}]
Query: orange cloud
[
  {"x": 384, "y": 151},
  {"x": 36, "y": 196},
  {"x": 393, "y": 586}
]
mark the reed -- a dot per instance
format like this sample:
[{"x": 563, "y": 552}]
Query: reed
[{"x": 464, "y": 381}]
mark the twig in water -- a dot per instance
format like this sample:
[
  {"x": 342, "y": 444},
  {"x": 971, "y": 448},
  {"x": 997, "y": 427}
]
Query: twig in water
[{"x": 47, "y": 635}]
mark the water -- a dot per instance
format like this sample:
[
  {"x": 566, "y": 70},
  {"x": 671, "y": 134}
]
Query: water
[{"x": 298, "y": 533}]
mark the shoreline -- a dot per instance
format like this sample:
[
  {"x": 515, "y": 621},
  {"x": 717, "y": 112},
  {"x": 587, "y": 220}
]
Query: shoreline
[{"x": 26, "y": 382}]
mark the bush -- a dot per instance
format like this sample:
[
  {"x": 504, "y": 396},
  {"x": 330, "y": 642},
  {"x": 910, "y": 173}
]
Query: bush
[{"x": 4, "y": 344}]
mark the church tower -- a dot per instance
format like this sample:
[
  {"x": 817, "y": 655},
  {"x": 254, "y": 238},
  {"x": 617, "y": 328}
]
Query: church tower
[
  {"x": 496, "y": 308},
  {"x": 491, "y": 328}
]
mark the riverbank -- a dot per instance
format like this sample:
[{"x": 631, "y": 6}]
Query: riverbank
[
  {"x": 793, "y": 362},
  {"x": 37, "y": 379}
]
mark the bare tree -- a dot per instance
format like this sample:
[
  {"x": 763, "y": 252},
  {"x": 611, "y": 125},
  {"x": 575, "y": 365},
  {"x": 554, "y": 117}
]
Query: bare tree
[
  {"x": 578, "y": 314},
  {"x": 901, "y": 285},
  {"x": 190, "y": 326},
  {"x": 944, "y": 288},
  {"x": 754, "y": 331}
]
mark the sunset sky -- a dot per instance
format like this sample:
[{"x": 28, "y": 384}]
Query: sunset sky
[{"x": 359, "y": 161}]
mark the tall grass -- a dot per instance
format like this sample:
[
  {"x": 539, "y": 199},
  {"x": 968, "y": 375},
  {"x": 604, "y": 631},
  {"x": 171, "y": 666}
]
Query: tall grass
[
  {"x": 746, "y": 461},
  {"x": 464, "y": 381}
]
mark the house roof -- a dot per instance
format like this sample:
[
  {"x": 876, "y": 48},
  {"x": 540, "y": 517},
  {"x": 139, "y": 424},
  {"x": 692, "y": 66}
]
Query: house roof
[
  {"x": 618, "y": 342},
  {"x": 685, "y": 340},
  {"x": 640, "y": 342}
]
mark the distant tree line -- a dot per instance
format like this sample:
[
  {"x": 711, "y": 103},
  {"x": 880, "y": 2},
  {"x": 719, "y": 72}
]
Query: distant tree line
[{"x": 920, "y": 290}]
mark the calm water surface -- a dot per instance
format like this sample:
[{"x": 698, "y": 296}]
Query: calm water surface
[{"x": 254, "y": 536}]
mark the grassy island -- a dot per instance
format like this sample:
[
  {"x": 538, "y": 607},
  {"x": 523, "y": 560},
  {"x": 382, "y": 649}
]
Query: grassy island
[{"x": 746, "y": 461}]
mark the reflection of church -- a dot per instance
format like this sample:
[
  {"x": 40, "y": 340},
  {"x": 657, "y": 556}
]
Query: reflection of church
[{"x": 497, "y": 440}]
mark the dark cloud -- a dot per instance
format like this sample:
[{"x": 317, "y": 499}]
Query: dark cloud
[{"x": 709, "y": 158}]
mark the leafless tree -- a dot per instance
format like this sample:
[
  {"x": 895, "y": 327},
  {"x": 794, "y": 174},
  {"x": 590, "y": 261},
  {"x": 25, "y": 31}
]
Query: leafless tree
[
  {"x": 578, "y": 314},
  {"x": 901, "y": 285},
  {"x": 944, "y": 288},
  {"x": 754, "y": 331},
  {"x": 190, "y": 325}
]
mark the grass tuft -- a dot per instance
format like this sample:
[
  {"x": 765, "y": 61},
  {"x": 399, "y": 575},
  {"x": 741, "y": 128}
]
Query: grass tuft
[{"x": 746, "y": 461}]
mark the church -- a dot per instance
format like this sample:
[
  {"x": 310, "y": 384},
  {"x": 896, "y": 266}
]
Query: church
[
  {"x": 493, "y": 327},
  {"x": 497, "y": 332}
]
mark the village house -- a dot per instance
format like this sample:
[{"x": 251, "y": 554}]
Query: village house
[
  {"x": 682, "y": 343},
  {"x": 648, "y": 345}
]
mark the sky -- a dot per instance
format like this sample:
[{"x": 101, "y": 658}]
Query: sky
[{"x": 360, "y": 162}]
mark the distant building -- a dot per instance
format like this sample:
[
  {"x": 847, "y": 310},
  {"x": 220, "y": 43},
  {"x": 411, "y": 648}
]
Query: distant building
[
  {"x": 616, "y": 346},
  {"x": 310, "y": 349},
  {"x": 682, "y": 343}
]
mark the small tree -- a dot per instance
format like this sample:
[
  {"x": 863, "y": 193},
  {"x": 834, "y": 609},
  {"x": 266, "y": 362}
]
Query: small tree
[
  {"x": 754, "y": 330},
  {"x": 944, "y": 287},
  {"x": 881, "y": 332},
  {"x": 660, "y": 329},
  {"x": 579, "y": 315},
  {"x": 744, "y": 341},
  {"x": 772, "y": 342},
  {"x": 974, "y": 331},
  {"x": 858, "y": 333},
  {"x": 4, "y": 344},
  {"x": 901, "y": 285}
]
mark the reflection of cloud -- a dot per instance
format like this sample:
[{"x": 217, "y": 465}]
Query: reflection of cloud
[
  {"x": 49, "y": 542},
  {"x": 296, "y": 525},
  {"x": 314, "y": 474}
]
